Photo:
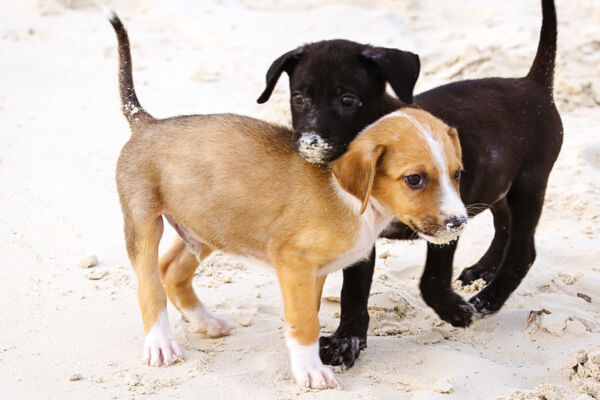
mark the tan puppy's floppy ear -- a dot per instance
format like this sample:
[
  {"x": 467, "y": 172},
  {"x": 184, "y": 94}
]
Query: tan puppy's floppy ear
[
  {"x": 355, "y": 171},
  {"x": 453, "y": 133}
]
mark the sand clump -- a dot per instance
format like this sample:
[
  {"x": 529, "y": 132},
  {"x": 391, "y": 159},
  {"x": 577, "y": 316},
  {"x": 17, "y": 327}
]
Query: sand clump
[
  {"x": 75, "y": 377},
  {"x": 586, "y": 373},
  {"x": 471, "y": 288},
  {"x": 88, "y": 262},
  {"x": 544, "y": 391},
  {"x": 96, "y": 274}
]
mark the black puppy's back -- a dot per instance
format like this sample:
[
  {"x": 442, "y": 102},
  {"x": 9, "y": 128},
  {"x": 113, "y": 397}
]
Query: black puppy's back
[{"x": 504, "y": 124}]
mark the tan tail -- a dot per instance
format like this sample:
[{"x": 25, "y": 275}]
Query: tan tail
[{"x": 132, "y": 110}]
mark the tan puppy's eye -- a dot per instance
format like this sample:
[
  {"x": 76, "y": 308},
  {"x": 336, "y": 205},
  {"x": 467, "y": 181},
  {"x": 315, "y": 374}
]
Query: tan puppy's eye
[
  {"x": 458, "y": 175},
  {"x": 414, "y": 181}
]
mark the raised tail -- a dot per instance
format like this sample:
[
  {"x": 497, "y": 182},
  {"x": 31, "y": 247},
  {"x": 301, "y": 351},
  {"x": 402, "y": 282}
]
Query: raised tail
[
  {"x": 130, "y": 106},
  {"x": 542, "y": 69}
]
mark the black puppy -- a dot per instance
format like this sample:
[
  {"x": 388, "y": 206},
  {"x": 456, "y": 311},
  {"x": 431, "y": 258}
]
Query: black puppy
[{"x": 510, "y": 132}]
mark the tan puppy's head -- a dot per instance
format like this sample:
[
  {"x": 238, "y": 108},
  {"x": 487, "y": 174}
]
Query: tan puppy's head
[{"x": 410, "y": 162}]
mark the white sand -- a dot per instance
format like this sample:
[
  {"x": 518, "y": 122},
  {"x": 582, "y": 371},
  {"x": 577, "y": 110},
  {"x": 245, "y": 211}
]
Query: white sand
[{"x": 61, "y": 132}]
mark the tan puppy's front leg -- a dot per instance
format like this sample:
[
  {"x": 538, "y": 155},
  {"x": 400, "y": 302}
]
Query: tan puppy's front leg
[
  {"x": 177, "y": 269},
  {"x": 320, "y": 281},
  {"x": 160, "y": 348},
  {"x": 299, "y": 287}
]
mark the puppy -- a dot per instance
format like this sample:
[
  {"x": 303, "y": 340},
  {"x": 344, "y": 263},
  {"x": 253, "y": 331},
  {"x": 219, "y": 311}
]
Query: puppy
[
  {"x": 235, "y": 184},
  {"x": 510, "y": 132}
]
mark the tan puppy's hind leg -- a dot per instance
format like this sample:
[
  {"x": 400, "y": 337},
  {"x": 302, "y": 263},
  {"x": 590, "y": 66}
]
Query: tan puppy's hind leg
[
  {"x": 299, "y": 288},
  {"x": 177, "y": 269},
  {"x": 160, "y": 348}
]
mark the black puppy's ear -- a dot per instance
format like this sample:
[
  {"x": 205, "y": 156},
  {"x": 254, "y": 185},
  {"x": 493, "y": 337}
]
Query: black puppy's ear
[
  {"x": 399, "y": 68},
  {"x": 286, "y": 63}
]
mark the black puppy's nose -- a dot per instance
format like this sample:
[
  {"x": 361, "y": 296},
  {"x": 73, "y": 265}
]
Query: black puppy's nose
[
  {"x": 455, "y": 222},
  {"x": 311, "y": 139}
]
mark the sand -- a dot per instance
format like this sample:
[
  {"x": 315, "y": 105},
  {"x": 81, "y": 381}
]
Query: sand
[{"x": 71, "y": 326}]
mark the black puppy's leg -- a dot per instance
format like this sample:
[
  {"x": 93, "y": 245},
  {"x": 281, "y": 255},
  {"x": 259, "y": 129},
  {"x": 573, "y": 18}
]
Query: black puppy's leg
[
  {"x": 525, "y": 203},
  {"x": 436, "y": 286},
  {"x": 486, "y": 267},
  {"x": 344, "y": 346}
]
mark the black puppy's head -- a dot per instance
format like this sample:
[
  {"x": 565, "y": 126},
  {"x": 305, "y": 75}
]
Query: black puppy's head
[{"x": 337, "y": 88}]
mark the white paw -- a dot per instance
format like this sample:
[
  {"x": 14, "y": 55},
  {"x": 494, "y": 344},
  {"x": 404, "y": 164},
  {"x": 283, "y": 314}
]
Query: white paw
[
  {"x": 160, "y": 348},
  {"x": 314, "y": 377},
  {"x": 307, "y": 368},
  {"x": 211, "y": 324}
]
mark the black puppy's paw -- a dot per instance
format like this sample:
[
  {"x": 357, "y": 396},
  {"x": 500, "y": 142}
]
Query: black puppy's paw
[
  {"x": 456, "y": 311},
  {"x": 486, "y": 301},
  {"x": 341, "y": 348},
  {"x": 474, "y": 272}
]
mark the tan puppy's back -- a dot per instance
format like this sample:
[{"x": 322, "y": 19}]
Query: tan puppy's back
[{"x": 234, "y": 181}]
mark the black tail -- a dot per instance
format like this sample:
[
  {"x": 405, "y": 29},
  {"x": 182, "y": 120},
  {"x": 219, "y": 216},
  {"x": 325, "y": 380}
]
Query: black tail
[
  {"x": 132, "y": 110},
  {"x": 542, "y": 69}
]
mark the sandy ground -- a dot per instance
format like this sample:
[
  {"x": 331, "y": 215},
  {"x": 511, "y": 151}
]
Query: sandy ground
[{"x": 71, "y": 333}]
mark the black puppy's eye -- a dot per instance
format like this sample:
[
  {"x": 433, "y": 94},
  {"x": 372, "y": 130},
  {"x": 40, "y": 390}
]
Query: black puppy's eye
[
  {"x": 415, "y": 181},
  {"x": 350, "y": 101},
  {"x": 458, "y": 174},
  {"x": 298, "y": 99}
]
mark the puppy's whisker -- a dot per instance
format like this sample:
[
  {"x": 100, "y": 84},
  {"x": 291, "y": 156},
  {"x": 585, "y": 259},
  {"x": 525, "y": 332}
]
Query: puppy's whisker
[
  {"x": 480, "y": 205},
  {"x": 476, "y": 208}
]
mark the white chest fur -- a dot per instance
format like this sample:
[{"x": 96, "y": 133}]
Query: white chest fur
[{"x": 374, "y": 220}]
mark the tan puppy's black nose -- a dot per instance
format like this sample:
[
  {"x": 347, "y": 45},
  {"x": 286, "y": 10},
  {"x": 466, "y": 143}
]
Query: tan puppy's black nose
[{"x": 455, "y": 222}]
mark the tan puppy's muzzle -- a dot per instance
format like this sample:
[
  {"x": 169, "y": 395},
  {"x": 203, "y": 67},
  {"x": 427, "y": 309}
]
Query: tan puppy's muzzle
[{"x": 450, "y": 229}]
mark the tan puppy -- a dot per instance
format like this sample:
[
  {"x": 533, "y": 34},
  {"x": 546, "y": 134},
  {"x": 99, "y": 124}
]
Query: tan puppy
[{"x": 235, "y": 184}]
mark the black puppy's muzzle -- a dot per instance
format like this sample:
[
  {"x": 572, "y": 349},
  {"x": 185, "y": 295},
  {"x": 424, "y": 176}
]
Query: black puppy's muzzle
[{"x": 314, "y": 148}]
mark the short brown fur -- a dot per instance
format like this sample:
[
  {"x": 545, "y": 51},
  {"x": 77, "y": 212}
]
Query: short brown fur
[{"x": 236, "y": 185}]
